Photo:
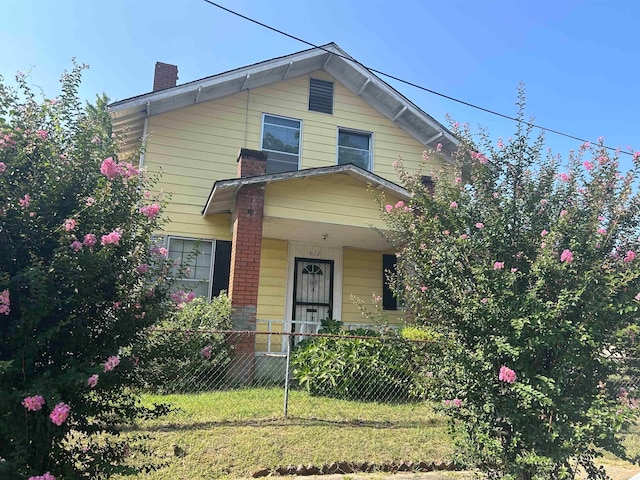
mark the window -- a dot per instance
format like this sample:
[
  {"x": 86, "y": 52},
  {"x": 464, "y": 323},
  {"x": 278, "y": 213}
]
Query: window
[
  {"x": 202, "y": 266},
  {"x": 355, "y": 148},
  {"x": 389, "y": 301},
  {"x": 281, "y": 138},
  {"x": 320, "y": 96}
]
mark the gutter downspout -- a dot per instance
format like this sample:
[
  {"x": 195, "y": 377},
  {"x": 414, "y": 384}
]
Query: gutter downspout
[{"x": 145, "y": 131}]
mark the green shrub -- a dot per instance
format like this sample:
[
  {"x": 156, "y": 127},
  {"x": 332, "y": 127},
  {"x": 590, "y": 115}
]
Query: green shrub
[
  {"x": 375, "y": 368},
  {"x": 182, "y": 353}
]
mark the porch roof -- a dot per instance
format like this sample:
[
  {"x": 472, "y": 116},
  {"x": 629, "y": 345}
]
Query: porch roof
[{"x": 223, "y": 193}]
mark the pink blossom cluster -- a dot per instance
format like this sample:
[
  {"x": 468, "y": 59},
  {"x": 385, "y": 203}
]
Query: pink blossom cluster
[
  {"x": 93, "y": 380},
  {"x": 206, "y": 352},
  {"x": 89, "y": 240},
  {"x": 112, "y": 238},
  {"x": 25, "y": 201},
  {"x": 629, "y": 256},
  {"x": 564, "y": 177},
  {"x": 400, "y": 205},
  {"x": 507, "y": 375},
  {"x": 498, "y": 265},
  {"x": 70, "y": 224},
  {"x": 142, "y": 268},
  {"x": 160, "y": 251},
  {"x": 480, "y": 157},
  {"x": 456, "y": 402},
  {"x": 43, "y": 134},
  {"x": 33, "y": 403},
  {"x": 5, "y": 302},
  {"x": 60, "y": 413},
  {"x": 7, "y": 140},
  {"x": 111, "y": 363},
  {"x": 566, "y": 256},
  {"x": 150, "y": 211},
  {"x": 453, "y": 205},
  {"x": 3, "y": 167},
  {"x": 112, "y": 170},
  {"x": 181, "y": 298},
  {"x": 46, "y": 476}
]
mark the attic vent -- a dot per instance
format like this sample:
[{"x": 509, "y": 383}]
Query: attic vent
[{"x": 320, "y": 96}]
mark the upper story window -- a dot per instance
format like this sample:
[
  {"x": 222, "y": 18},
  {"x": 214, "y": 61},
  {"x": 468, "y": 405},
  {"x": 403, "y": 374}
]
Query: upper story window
[
  {"x": 354, "y": 147},
  {"x": 281, "y": 138},
  {"x": 320, "y": 96}
]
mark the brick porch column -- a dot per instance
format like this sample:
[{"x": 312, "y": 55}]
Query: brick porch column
[{"x": 246, "y": 247}]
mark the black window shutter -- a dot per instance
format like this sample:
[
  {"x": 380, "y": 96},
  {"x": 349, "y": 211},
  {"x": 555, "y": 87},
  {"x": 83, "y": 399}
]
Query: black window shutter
[
  {"x": 221, "y": 267},
  {"x": 389, "y": 302},
  {"x": 320, "y": 96}
]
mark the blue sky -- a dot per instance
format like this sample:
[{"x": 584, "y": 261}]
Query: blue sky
[{"x": 580, "y": 60}]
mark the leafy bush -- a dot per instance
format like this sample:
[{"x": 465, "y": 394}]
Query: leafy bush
[
  {"x": 182, "y": 353},
  {"x": 78, "y": 284},
  {"x": 527, "y": 269},
  {"x": 373, "y": 368}
]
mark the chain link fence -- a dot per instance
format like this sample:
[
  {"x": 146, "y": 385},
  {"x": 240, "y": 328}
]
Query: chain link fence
[{"x": 259, "y": 402}]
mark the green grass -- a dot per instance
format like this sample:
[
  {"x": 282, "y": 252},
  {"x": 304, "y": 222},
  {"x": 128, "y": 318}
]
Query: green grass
[{"x": 233, "y": 433}]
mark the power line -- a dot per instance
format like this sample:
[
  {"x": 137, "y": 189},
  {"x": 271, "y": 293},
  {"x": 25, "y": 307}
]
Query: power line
[{"x": 406, "y": 82}]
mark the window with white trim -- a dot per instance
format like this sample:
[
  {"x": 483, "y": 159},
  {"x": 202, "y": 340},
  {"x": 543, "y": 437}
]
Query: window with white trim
[
  {"x": 354, "y": 147},
  {"x": 201, "y": 266},
  {"x": 281, "y": 139}
]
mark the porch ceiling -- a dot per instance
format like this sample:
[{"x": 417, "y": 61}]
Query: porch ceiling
[{"x": 327, "y": 234}]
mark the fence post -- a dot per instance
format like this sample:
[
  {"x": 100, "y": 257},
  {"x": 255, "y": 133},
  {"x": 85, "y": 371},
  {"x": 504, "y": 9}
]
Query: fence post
[{"x": 286, "y": 380}]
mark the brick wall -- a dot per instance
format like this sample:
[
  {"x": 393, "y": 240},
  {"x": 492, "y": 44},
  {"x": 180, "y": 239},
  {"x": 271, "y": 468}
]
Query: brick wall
[{"x": 165, "y": 76}]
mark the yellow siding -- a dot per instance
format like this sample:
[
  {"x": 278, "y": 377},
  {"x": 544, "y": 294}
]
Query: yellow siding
[
  {"x": 271, "y": 289},
  {"x": 335, "y": 199},
  {"x": 198, "y": 145},
  {"x": 362, "y": 278}
]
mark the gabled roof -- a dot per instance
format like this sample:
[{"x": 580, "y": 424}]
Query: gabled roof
[
  {"x": 223, "y": 194},
  {"x": 129, "y": 114}
]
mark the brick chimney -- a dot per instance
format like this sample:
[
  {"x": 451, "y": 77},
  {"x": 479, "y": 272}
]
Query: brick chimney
[{"x": 166, "y": 76}]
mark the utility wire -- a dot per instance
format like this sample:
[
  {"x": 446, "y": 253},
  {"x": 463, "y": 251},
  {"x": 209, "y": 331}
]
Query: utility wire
[{"x": 406, "y": 82}]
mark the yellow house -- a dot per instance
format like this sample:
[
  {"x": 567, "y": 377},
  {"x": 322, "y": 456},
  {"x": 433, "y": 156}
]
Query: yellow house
[{"x": 271, "y": 169}]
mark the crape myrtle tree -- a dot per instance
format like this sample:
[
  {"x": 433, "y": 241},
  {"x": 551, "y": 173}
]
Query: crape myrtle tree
[
  {"x": 525, "y": 268},
  {"x": 79, "y": 283}
]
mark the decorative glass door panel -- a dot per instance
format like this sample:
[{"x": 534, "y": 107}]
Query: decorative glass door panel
[{"x": 313, "y": 294}]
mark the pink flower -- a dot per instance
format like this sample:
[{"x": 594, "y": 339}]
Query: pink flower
[
  {"x": 456, "y": 402},
  {"x": 629, "y": 257},
  {"x": 111, "y": 363},
  {"x": 150, "y": 211},
  {"x": 484, "y": 300},
  {"x": 46, "y": 476},
  {"x": 112, "y": 238},
  {"x": 458, "y": 180},
  {"x": 499, "y": 143},
  {"x": 566, "y": 256},
  {"x": 514, "y": 270},
  {"x": 5, "y": 302},
  {"x": 388, "y": 208},
  {"x": 585, "y": 145},
  {"x": 446, "y": 232},
  {"x": 602, "y": 231},
  {"x": 43, "y": 134},
  {"x": 110, "y": 168},
  {"x": 93, "y": 380},
  {"x": 24, "y": 201},
  {"x": 447, "y": 403},
  {"x": 507, "y": 375},
  {"x": 90, "y": 201},
  {"x": 479, "y": 225},
  {"x": 160, "y": 251},
  {"x": 423, "y": 288},
  {"x": 636, "y": 156},
  {"x": 142, "y": 268},
  {"x": 69, "y": 224},
  {"x": 89, "y": 240},
  {"x": 587, "y": 165},
  {"x": 76, "y": 246},
  {"x": 116, "y": 305},
  {"x": 543, "y": 233},
  {"x": 453, "y": 205},
  {"x": 544, "y": 201},
  {"x": 563, "y": 213},
  {"x": 498, "y": 265},
  {"x": 3, "y": 167},
  {"x": 400, "y": 204},
  {"x": 439, "y": 147},
  {"x": 34, "y": 403},
  {"x": 463, "y": 236},
  {"x": 206, "y": 352},
  {"x": 637, "y": 297},
  {"x": 480, "y": 157},
  {"x": 60, "y": 413},
  {"x": 565, "y": 177}
]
